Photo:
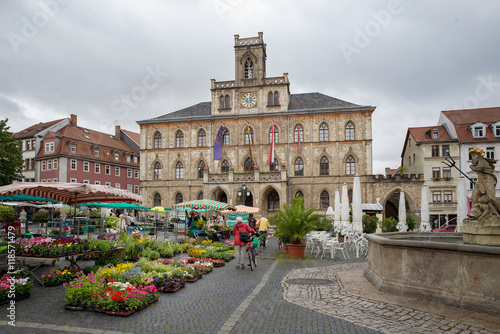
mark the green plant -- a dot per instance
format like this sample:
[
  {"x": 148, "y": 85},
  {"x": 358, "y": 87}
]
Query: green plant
[
  {"x": 323, "y": 224},
  {"x": 95, "y": 213},
  {"x": 69, "y": 212},
  {"x": 108, "y": 259},
  {"x": 111, "y": 221},
  {"x": 389, "y": 225},
  {"x": 411, "y": 220},
  {"x": 7, "y": 212},
  {"x": 200, "y": 224},
  {"x": 370, "y": 223},
  {"x": 41, "y": 215},
  {"x": 294, "y": 220},
  {"x": 150, "y": 254}
]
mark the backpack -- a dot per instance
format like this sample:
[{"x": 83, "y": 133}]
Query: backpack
[{"x": 244, "y": 236}]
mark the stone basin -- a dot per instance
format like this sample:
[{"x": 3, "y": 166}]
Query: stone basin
[{"x": 444, "y": 269}]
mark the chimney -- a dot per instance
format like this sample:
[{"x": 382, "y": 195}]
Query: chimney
[
  {"x": 73, "y": 120},
  {"x": 117, "y": 132}
]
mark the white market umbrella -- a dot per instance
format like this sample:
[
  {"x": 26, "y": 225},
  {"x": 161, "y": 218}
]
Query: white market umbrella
[
  {"x": 462, "y": 207},
  {"x": 402, "y": 225},
  {"x": 357, "y": 212},
  {"x": 346, "y": 225},
  {"x": 425, "y": 225},
  {"x": 337, "y": 224}
]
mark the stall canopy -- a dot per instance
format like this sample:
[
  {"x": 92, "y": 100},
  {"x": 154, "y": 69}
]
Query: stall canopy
[
  {"x": 243, "y": 209},
  {"x": 204, "y": 204},
  {"x": 159, "y": 209},
  {"x": 70, "y": 193},
  {"x": 118, "y": 205},
  {"x": 25, "y": 198}
]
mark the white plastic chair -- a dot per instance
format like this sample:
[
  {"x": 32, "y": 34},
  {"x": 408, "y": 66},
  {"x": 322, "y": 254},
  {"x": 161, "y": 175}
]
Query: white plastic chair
[
  {"x": 341, "y": 247},
  {"x": 329, "y": 244}
]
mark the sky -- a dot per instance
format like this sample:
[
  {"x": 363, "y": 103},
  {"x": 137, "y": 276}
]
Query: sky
[{"x": 409, "y": 59}]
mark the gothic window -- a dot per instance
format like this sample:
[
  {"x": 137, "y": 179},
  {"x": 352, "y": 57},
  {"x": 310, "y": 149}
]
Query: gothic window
[
  {"x": 249, "y": 69},
  {"x": 246, "y": 135},
  {"x": 273, "y": 201},
  {"x": 179, "y": 171},
  {"x": 298, "y": 132},
  {"x": 299, "y": 194},
  {"x": 227, "y": 105},
  {"x": 179, "y": 139},
  {"x": 222, "y": 102},
  {"x": 349, "y": 131},
  {"x": 157, "y": 171},
  {"x": 273, "y": 166},
  {"x": 323, "y": 132},
  {"x": 202, "y": 138},
  {"x": 224, "y": 168},
  {"x": 179, "y": 198},
  {"x": 324, "y": 200},
  {"x": 200, "y": 169},
  {"x": 350, "y": 166},
  {"x": 324, "y": 166},
  {"x": 299, "y": 167},
  {"x": 157, "y": 200},
  {"x": 275, "y": 134},
  {"x": 248, "y": 165},
  {"x": 157, "y": 140},
  {"x": 273, "y": 99},
  {"x": 225, "y": 137},
  {"x": 349, "y": 195},
  {"x": 200, "y": 195},
  {"x": 276, "y": 99}
]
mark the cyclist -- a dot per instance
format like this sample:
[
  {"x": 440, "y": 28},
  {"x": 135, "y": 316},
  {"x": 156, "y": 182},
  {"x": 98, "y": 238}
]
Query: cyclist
[{"x": 239, "y": 246}]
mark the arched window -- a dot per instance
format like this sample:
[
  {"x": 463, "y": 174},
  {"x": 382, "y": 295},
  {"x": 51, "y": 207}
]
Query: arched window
[
  {"x": 324, "y": 200},
  {"x": 299, "y": 193},
  {"x": 179, "y": 139},
  {"x": 323, "y": 132},
  {"x": 224, "y": 167},
  {"x": 227, "y": 105},
  {"x": 273, "y": 166},
  {"x": 350, "y": 166},
  {"x": 249, "y": 69},
  {"x": 200, "y": 195},
  {"x": 157, "y": 200},
  {"x": 222, "y": 102},
  {"x": 276, "y": 99},
  {"x": 225, "y": 137},
  {"x": 246, "y": 135},
  {"x": 179, "y": 171},
  {"x": 349, "y": 131},
  {"x": 157, "y": 140},
  {"x": 298, "y": 132},
  {"x": 157, "y": 171},
  {"x": 248, "y": 165},
  {"x": 273, "y": 201},
  {"x": 275, "y": 134},
  {"x": 349, "y": 195},
  {"x": 299, "y": 167},
  {"x": 324, "y": 166},
  {"x": 200, "y": 169},
  {"x": 179, "y": 198},
  {"x": 270, "y": 99},
  {"x": 202, "y": 138}
]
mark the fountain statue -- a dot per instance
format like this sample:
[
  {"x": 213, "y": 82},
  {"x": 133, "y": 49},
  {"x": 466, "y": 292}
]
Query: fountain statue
[{"x": 482, "y": 227}]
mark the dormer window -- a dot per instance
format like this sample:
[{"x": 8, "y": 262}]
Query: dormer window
[
  {"x": 249, "y": 69},
  {"x": 49, "y": 147},
  {"x": 72, "y": 148},
  {"x": 496, "y": 129},
  {"x": 117, "y": 156},
  {"x": 96, "y": 152},
  {"x": 435, "y": 134},
  {"x": 478, "y": 130}
]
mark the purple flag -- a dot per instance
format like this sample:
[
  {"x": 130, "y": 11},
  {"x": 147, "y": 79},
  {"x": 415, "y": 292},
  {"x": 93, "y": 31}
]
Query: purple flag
[{"x": 218, "y": 145}]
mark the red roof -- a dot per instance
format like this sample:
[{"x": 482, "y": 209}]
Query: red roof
[
  {"x": 34, "y": 129},
  {"x": 136, "y": 137},
  {"x": 424, "y": 134},
  {"x": 471, "y": 116}
]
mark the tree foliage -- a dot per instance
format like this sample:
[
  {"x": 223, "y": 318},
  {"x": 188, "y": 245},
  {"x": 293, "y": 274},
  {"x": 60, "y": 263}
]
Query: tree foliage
[
  {"x": 11, "y": 156},
  {"x": 294, "y": 221}
]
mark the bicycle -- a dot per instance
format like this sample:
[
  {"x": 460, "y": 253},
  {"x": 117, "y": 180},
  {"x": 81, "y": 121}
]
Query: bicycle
[{"x": 251, "y": 254}]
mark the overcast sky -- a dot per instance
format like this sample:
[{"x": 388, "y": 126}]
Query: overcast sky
[{"x": 410, "y": 59}]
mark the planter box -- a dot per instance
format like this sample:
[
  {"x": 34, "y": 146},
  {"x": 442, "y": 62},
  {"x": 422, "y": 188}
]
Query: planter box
[
  {"x": 78, "y": 307},
  {"x": 296, "y": 251},
  {"x": 192, "y": 280},
  {"x": 122, "y": 313}
]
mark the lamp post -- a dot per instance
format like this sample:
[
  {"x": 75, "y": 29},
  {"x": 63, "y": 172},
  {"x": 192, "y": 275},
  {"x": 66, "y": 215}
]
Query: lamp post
[{"x": 243, "y": 192}]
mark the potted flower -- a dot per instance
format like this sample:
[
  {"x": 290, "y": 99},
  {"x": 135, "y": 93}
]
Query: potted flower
[
  {"x": 21, "y": 289},
  {"x": 294, "y": 222},
  {"x": 282, "y": 165},
  {"x": 231, "y": 168},
  {"x": 256, "y": 166}
]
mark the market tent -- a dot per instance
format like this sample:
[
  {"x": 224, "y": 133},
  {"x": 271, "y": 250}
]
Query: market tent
[
  {"x": 25, "y": 198},
  {"x": 70, "y": 193},
  {"x": 158, "y": 208},
  {"x": 119, "y": 205},
  {"x": 242, "y": 209},
  {"x": 205, "y": 204}
]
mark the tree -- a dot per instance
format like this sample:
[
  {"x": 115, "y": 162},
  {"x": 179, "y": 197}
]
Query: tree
[{"x": 11, "y": 155}]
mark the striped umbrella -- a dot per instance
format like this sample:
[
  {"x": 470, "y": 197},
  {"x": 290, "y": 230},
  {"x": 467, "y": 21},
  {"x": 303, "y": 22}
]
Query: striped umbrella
[
  {"x": 205, "y": 204},
  {"x": 70, "y": 193},
  {"x": 243, "y": 209},
  {"x": 25, "y": 198}
]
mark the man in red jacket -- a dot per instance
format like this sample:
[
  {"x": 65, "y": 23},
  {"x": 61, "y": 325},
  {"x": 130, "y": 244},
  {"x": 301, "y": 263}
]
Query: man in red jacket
[{"x": 239, "y": 246}]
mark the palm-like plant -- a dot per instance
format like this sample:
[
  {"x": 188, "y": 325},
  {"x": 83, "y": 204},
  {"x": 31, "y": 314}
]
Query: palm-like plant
[{"x": 295, "y": 221}]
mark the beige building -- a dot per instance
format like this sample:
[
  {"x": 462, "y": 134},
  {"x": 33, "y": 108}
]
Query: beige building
[{"x": 320, "y": 142}]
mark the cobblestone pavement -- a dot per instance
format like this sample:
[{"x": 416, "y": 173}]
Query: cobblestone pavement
[{"x": 229, "y": 300}]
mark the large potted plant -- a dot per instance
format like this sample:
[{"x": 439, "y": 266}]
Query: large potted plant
[{"x": 294, "y": 222}]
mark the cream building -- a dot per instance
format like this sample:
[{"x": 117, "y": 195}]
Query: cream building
[{"x": 320, "y": 142}]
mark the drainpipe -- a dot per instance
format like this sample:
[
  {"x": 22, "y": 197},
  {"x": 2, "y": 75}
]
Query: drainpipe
[{"x": 288, "y": 159}]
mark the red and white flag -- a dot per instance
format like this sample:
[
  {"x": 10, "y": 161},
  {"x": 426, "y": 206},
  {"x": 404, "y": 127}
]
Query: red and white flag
[{"x": 271, "y": 154}]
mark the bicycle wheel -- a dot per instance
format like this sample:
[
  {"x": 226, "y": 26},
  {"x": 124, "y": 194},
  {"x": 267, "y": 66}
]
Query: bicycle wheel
[
  {"x": 254, "y": 258},
  {"x": 250, "y": 264}
]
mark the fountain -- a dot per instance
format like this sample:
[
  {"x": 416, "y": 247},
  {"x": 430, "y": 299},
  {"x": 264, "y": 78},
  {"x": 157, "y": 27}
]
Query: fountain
[{"x": 458, "y": 269}]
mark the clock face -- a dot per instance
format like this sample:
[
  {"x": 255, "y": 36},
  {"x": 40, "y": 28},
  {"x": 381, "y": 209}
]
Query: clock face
[{"x": 248, "y": 100}]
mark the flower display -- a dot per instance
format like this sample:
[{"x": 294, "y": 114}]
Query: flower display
[
  {"x": 20, "y": 286},
  {"x": 60, "y": 276}
]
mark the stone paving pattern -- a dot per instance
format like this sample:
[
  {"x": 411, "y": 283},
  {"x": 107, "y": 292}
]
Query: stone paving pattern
[{"x": 229, "y": 300}]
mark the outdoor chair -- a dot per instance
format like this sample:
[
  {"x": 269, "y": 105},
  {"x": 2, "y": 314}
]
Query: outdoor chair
[
  {"x": 341, "y": 247},
  {"x": 329, "y": 244}
]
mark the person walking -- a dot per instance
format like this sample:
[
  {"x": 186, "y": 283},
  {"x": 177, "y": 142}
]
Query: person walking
[
  {"x": 239, "y": 246},
  {"x": 263, "y": 224}
]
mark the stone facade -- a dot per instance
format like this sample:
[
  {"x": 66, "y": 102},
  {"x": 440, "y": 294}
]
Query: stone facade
[{"x": 333, "y": 131}]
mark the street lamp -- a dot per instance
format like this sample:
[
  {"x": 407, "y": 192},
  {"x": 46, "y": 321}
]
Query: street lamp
[{"x": 243, "y": 192}]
